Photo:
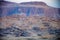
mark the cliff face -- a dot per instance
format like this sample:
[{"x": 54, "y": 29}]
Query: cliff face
[
  {"x": 9, "y": 8},
  {"x": 44, "y": 9},
  {"x": 36, "y": 18},
  {"x": 5, "y": 7}
]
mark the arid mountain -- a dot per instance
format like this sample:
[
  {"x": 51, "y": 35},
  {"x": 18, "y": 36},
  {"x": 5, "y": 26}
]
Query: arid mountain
[{"x": 37, "y": 18}]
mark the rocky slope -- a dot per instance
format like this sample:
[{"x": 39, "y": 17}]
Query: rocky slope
[{"x": 36, "y": 18}]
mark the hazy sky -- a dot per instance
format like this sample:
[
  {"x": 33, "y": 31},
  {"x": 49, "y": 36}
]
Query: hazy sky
[{"x": 53, "y": 3}]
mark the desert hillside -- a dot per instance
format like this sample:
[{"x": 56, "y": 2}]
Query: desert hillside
[{"x": 31, "y": 19}]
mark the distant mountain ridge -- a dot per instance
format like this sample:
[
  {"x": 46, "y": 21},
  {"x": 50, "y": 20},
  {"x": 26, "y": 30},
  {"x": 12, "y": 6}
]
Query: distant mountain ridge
[{"x": 34, "y": 3}]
